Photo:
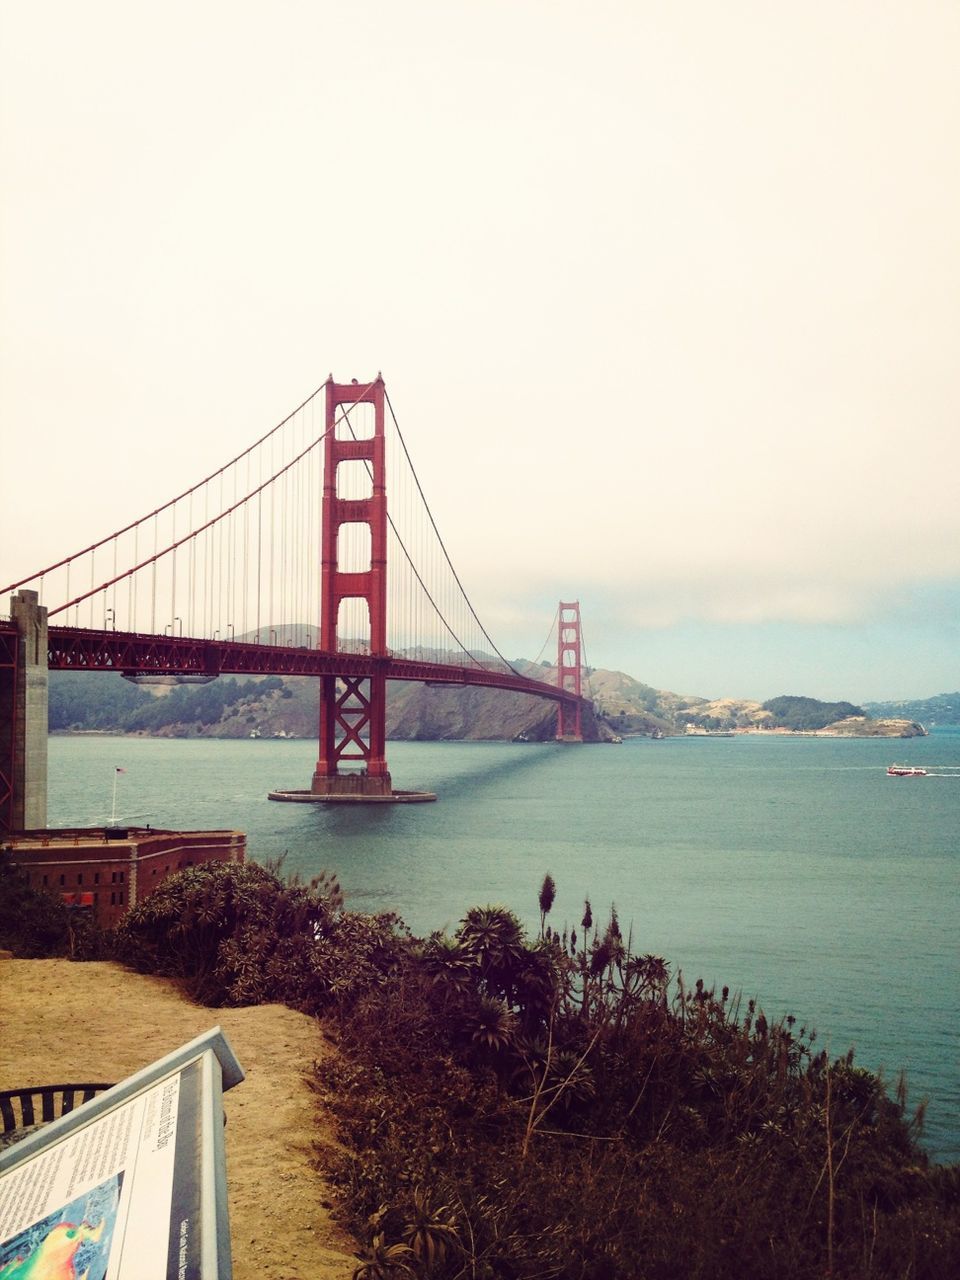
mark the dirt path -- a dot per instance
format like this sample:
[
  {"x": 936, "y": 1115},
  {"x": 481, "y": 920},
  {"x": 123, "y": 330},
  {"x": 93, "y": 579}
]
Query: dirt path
[{"x": 120, "y": 1021}]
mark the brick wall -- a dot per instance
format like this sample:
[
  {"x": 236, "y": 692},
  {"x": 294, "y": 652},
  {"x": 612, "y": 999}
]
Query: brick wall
[{"x": 109, "y": 872}]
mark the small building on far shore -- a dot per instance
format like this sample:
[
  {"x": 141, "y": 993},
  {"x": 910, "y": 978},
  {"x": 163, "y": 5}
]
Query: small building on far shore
[{"x": 108, "y": 870}]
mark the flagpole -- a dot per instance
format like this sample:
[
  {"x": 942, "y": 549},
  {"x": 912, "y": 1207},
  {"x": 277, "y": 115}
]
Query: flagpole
[{"x": 113, "y": 815}]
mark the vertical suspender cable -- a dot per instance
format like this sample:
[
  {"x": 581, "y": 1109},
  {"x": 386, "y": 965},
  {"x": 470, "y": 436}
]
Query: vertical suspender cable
[
  {"x": 205, "y": 550},
  {"x": 134, "y": 592},
  {"x": 153, "y": 582},
  {"x": 246, "y": 540},
  {"x": 173, "y": 573},
  {"x": 191, "y": 569},
  {"x": 271, "y": 620}
]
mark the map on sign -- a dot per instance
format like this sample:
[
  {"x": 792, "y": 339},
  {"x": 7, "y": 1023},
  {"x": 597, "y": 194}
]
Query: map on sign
[{"x": 126, "y": 1187}]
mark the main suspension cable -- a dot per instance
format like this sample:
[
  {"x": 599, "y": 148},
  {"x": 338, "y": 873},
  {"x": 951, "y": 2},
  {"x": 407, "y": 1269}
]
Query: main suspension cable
[
  {"x": 443, "y": 548},
  {"x": 222, "y": 515},
  {"x": 550, "y": 633},
  {"x": 409, "y": 558},
  {"x": 166, "y": 506},
  {"x": 586, "y": 665}
]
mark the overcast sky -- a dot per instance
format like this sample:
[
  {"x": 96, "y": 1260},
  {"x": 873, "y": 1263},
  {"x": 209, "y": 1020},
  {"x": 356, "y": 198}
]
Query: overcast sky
[{"x": 666, "y": 297}]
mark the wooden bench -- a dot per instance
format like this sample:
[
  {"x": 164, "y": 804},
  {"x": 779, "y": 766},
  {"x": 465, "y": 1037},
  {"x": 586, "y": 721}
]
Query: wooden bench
[{"x": 24, "y": 1109}]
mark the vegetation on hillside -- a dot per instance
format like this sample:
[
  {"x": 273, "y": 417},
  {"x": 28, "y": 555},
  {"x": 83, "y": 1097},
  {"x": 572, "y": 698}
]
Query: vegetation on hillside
[
  {"x": 944, "y": 708},
  {"x": 107, "y": 703},
  {"x": 558, "y": 1107},
  {"x": 808, "y": 713},
  {"x": 229, "y": 707}
]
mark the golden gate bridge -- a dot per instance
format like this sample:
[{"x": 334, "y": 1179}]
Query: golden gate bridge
[{"x": 222, "y": 579}]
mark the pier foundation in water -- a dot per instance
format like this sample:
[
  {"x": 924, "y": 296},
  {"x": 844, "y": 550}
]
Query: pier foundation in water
[{"x": 352, "y": 788}]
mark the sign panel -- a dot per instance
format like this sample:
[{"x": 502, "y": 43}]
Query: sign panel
[{"x": 130, "y": 1186}]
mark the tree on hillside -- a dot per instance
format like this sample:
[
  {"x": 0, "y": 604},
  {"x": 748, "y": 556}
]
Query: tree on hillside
[{"x": 808, "y": 713}]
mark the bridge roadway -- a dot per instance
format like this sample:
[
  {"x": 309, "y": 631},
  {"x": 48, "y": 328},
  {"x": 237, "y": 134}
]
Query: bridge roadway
[{"x": 133, "y": 653}]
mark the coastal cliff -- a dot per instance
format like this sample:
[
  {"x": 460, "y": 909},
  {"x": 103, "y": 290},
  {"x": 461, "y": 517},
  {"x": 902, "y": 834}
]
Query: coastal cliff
[{"x": 864, "y": 727}]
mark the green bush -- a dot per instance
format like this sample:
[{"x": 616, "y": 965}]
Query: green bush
[
  {"x": 557, "y": 1106},
  {"x": 236, "y": 933},
  {"x": 619, "y": 1126},
  {"x": 33, "y": 922}
]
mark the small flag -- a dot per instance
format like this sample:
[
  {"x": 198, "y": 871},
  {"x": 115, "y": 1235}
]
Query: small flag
[{"x": 121, "y": 770}]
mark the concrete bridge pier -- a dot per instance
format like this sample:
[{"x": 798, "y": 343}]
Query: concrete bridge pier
[{"x": 23, "y": 707}]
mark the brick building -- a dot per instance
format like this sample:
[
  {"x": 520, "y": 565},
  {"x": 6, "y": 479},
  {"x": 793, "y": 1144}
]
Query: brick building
[{"x": 110, "y": 869}]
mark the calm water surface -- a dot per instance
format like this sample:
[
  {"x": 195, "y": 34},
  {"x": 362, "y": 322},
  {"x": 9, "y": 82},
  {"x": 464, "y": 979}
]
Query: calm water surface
[{"x": 792, "y": 869}]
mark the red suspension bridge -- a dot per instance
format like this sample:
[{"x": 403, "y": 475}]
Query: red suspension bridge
[{"x": 223, "y": 580}]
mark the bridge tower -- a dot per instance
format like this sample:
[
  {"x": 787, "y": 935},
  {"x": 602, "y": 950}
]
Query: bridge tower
[
  {"x": 23, "y": 715},
  {"x": 569, "y": 669},
  {"x": 353, "y": 715}
]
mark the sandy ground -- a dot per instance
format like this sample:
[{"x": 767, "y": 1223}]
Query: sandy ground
[{"x": 61, "y": 1021}]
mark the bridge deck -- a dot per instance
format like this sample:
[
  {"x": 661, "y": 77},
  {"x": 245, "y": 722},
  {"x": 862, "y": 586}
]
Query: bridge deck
[{"x": 82, "y": 649}]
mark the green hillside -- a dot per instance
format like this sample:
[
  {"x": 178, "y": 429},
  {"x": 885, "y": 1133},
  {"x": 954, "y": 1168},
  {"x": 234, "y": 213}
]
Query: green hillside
[
  {"x": 808, "y": 713},
  {"x": 944, "y": 708}
]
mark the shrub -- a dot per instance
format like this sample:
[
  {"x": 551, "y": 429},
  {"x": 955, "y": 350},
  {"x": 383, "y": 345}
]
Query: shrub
[
  {"x": 639, "y": 1129},
  {"x": 560, "y": 1108},
  {"x": 33, "y": 922},
  {"x": 236, "y": 933}
]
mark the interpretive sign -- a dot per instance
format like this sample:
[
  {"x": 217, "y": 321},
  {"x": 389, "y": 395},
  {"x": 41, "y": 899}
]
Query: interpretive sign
[{"x": 129, "y": 1186}]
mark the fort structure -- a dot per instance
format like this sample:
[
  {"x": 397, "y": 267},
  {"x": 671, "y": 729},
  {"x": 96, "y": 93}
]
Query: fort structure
[{"x": 107, "y": 870}]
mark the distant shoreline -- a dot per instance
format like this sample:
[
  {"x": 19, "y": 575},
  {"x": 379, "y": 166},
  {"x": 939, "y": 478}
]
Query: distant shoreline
[{"x": 725, "y": 733}]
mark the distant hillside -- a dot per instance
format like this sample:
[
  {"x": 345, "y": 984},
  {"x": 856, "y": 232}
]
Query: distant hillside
[
  {"x": 446, "y": 712},
  {"x": 942, "y": 709},
  {"x": 82, "y": 702},
  {"x": 98, "y": 701},
  {"x": 809, "y": 713}
]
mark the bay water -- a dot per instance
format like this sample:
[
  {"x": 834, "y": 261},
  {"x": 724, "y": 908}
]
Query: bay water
[{"x": 791, "y": 869}]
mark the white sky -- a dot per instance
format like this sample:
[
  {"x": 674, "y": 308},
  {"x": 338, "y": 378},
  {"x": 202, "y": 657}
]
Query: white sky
[{"x": 666, "y": 296}]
